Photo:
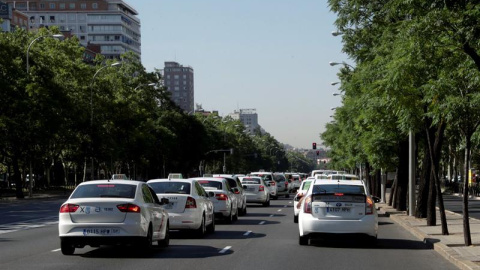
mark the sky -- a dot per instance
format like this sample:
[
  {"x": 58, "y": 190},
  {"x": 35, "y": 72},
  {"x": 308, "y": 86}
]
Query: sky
[{"x": 268, "y": 55}]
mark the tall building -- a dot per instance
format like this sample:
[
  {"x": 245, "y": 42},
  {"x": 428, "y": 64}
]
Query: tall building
[
  {"x": 111, "y": 24},
  {"x": 11, "y": 18},
  {"x": 248, "y": 117},
  {"x": 179, "y": 81}
]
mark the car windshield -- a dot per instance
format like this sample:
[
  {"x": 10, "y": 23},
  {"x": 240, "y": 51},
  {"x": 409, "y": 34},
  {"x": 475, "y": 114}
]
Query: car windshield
[
  {"x": 170, "y": 187},
  {"x": 105, "y": 191},
  {"x": 337, "y": 188},
  {"x": 214, "y": 184}
]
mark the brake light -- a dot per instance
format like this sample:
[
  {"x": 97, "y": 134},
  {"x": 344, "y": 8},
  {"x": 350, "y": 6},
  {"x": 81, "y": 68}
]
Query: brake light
[
  {"x": 190, "y": 203},
  {"x": 261, "y": 188},
  {"x": 129, "y": 208},
  {"x": 338, "y": 194},
  {"x": 369, "y": 206},
  {"x": 273, "y": 183},
  {"x": 237, "y": 192},
  {"x": 221, "y": 197},
  {"x": 307, "y": 205},
  {"x": 286, "y": 183},
  {"x": 68, "y": 208}
]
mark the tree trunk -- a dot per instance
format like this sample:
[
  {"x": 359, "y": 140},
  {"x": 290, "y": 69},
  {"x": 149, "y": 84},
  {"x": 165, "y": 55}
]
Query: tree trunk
[
  {"x": 17, "y": 178},
  {"x": 402, "y": 177},
  {"x": 435, "y": 154},
  {"x": 424, "y": 185},
  {"x": 466, "y": 223}
]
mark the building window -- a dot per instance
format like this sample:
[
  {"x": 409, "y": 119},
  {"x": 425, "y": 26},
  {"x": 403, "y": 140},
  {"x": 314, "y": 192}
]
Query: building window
[
  {"x": 42, "y": 19},
  {"x": 52, "y": 5},
  {"x": 95, "y": 5},
  {"x": 42, "y": 5},
  {"x": 32, "y": 19},
  {"x": 83, "y": 6},
  {"x": 62, "y": 5},
  {"x": 82, "y": 37},
  {"x": 71, "y": 5}
]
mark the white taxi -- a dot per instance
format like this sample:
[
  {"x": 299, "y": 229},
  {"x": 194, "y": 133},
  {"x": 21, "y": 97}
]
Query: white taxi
[
  {"x": 111, "y": 212},
  {"x": 256, "y": 190},
  {"x": 189, "y": 207},
  {"x": 337, "y": 207}
]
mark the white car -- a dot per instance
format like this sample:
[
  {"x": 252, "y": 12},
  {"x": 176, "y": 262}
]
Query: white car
[
  {"x": 294, "y": 183},
  {"x": 343, "y": 177},
  {"x": 111, "y": 212},
  {"x": 256, "y": 190},
  {"x": 237, "y": 189},
  {"x": 189, "y": 207},
  {"x": 300, "y": 193},
  {"x": 337, "y": 207},
  {"x": 222, "y": 196}
]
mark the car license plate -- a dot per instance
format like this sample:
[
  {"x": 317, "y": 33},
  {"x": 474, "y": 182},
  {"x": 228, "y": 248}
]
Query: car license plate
[
  {"x": 102, "y": 231},
  {"x": 338, "y": 210}
]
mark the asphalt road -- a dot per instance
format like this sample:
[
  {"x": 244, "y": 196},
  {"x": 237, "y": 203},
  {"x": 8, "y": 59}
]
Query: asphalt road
[{"x": 266, "y": 238}]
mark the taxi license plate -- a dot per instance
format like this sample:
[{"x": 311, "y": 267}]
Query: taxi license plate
[
  {"x": 338, "y": 210},
  {"x": 102, "y": 231}
]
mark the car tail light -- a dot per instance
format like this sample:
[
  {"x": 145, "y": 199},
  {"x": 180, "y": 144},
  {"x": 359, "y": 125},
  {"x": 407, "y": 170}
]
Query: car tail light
[
  {"x": 221, "y": 197},
  {"x": 369, "y": 206},
  {"x": 307, "y": 205},
  {"x": 237, "y": 192},
  {"x": 273, "y": 183},
  {"x": 286, "y": 183},
  {"x": 190, "y": 203},
  {"x": 261, "y": 188},
  {"x": 129, "y": 208},
  {"x": 68, "y": 208}
]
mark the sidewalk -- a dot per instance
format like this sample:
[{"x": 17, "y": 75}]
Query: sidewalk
[
  {"x": 36, "y": 195},
  {"x": 452, "y": 246}
]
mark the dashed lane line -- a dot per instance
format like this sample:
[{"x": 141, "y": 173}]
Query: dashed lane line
[
  {"x": 225, "y": 249},
  {"x": 247, "y": 233},
  {"x": 261, "y": 223}
]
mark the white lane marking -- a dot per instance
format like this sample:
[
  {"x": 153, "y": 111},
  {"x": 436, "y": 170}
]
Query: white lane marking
[
  {"x": 272, "y": 215},
  {"x": 56, "y": 250},
  {"x": 225, "y": 249},
  {"x": 290, "y": 202},
  {"x": 28, "y": 224},
  {"x": 247, "y": 233},
  {"x": 261, "y": 223},
  {"x": 279, "y": 210}
]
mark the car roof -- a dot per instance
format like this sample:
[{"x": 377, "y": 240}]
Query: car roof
[
  {"x": 169, "y": 180},
  {"x": 340, "y": 182},
  {"x": 209, "y": 178},
  {"x": 119, "y": 181}
]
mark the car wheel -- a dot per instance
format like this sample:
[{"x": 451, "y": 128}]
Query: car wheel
[
  {"x": 287, "y": 195},
  {"x": 211, "y": 227},
  {"x": 147, "y": 241},
  {"x": 66, "y": 247},
  {"x": 200, "y": 232},
  {"x": 267, "y": 203},
  {"x": 274, "y": 197},
  {"x": 303, "y": 240},
  {"x": 165, "y": 241},
  {"x": 229, "y": 219},
  {"x": 295, "y": 219}
]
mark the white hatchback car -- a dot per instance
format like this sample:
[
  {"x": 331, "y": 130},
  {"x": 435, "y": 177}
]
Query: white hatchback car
[
  {"x": 337, "y": 207},
  {"x": 300, "y": 193},
  {"x": 223, "y": 199},
  {"x": 111, "y": 212},
  {"x": 256, "y": 190},
  {"x": 189, "y": 207}
]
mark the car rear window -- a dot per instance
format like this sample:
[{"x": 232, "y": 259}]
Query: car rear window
[
  {"x": 214, "y": 184},
  {"x": 105, "y": 191},
  {"x": 265, "y": 177},
  {"x": 231, "y": 182},
  {"x": 171, "y": 187},
  {"x": 336, "y": 188},
  {"x": 251, "y": 180}
]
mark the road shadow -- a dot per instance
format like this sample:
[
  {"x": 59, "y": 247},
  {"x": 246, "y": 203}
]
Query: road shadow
[
  {"x": 172, "y": 251},
  {"x": 381, "y": 243},
  {"x": 381, "y": 223},
  {"x": 218, "y": 234},
  {"x": 261, "y": 215}
]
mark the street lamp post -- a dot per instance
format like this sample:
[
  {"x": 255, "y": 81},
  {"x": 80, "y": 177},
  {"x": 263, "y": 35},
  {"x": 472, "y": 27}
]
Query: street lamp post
[
  {"x": 141, "y": 85},
  {"x": 340, "y": 63},
  {"x": 56, "y": 36},
  {"x": 91, "y": 112}
]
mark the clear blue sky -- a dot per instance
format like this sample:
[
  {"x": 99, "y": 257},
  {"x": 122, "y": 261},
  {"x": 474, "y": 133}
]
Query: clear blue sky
[{"x": 268, "y": 55}]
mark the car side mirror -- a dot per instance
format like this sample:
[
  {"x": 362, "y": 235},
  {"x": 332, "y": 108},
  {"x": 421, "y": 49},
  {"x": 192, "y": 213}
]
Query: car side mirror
[
  {"x": 235, "y": 190},
  {"x": 244, "y": 186},
  {"x": 164, "y": 201},
  {"x": 376, "y": 199}
]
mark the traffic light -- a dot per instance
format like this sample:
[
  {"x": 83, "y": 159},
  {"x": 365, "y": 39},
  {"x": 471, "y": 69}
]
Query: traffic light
[{"x": 314, "y": 145}]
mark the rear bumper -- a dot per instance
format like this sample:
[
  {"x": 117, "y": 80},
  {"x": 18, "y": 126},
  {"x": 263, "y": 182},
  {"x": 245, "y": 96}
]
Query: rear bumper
[
  {"x": 185, "y": 221},
  {"x": 257, "y": 198},
  {"x": 308, "y": 225},
  {"x": 102, "y": 240}
]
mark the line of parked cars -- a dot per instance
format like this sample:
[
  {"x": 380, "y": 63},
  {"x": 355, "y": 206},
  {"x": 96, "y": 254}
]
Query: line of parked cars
[{"x": 122, "y": 211}]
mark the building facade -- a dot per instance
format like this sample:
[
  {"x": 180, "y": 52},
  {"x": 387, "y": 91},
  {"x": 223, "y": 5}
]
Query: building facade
[
  {"x": 11, "y": 18},
  {"x": 111, "y": 24},
  {"x": 180, "y": 83},
  {"x": 248, "y": 117}
]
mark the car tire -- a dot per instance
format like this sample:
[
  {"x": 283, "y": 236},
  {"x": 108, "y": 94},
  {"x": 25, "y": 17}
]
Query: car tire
[
  {"x": 274, "y": 197},
  {"x": 267, "y": 203},
  {"x": 202, "y": 230},
  {"x": 295, "y": 219},
  {"x": 303, "y": 240},
  {"x": 229, "y": 218},
  {"x": 287, "y": 195},
  {"x": 147, "y": 241},
  {"x": 165, "y": 241},
  {"x": 67, "y": 248},
  {"x": 211, "y": 227},
  {"x": 243, "y": 210}
]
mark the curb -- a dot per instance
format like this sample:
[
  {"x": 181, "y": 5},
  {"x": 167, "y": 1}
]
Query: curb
[{"x": 444, "y": 250}]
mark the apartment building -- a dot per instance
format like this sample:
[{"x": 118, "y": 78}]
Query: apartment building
[
  {"x": 111, "y": 24},
  {"x": 248, "y": 117},
  {"x": 11, "y": 18},
  {"x": 179, "y": 81}
]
